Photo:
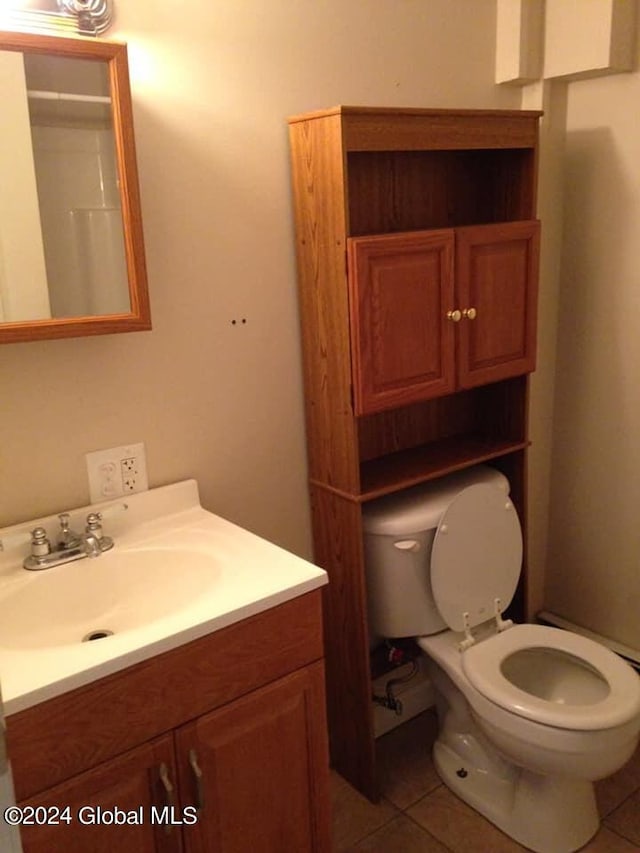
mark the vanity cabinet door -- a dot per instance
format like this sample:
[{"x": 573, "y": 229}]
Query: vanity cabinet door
[
  {"x": 400, "y": 290},
  {"x": 132, "y": 783},
  {"x": 257, "y": 770},
  {"x": 496, "y": 280}
]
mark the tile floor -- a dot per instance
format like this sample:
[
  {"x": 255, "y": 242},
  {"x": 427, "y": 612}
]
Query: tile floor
[{"x": 418, "y": 814}]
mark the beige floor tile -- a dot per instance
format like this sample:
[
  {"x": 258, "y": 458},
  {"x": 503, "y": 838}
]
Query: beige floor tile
[
  {"x": 404, "y": 760},
  {"x": 401, "y": 835},
  {"x": 614, "y": 790},
  {"x": 607, "y": 841},
  {"x": 354, "y": 817},
  {"x": 625, "y": 820},
  {"x": 458, "y": 826}
]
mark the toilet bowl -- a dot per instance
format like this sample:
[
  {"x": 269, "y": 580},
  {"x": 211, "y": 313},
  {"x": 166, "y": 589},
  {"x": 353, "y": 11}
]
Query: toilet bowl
[{"x": 528, "y": 715}]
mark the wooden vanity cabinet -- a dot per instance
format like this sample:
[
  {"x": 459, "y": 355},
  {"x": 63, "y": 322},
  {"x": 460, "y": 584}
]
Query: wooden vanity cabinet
[
  {"x": 417, "y": 255},
  {"x": 231, "y": 726}
]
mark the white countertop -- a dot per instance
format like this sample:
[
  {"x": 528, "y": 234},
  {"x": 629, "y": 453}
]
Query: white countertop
[{"x": 162, "y": 532}]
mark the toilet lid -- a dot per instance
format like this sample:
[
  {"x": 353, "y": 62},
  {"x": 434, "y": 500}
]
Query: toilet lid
[{"x": 476, "y": 556}]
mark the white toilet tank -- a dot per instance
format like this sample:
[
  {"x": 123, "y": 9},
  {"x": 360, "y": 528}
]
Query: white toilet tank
[{"x": 398, "y": 535}]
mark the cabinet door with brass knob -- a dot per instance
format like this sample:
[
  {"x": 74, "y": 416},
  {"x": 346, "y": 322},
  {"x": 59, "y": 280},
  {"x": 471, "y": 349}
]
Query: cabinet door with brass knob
[
  {"x": 403, "y": 318},
  {"x": 496, "y": 289}
]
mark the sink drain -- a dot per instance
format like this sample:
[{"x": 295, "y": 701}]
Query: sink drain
[{"x": 97, "y": 635}]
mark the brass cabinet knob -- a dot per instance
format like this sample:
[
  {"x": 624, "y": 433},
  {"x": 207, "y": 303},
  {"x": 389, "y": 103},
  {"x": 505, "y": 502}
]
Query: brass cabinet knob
[
  {"x": 469, "y": 313},
  {"x": 454, "y": 316}
]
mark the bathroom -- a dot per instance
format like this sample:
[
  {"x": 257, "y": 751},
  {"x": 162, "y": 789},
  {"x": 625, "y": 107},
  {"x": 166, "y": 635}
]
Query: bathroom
[{"x": 219, "y": 399}]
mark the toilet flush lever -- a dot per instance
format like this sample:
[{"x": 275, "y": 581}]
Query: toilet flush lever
[{"x": 407, "y": 545}]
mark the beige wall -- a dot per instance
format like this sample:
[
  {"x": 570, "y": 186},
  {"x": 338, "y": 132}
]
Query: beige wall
[
  {"x": 212, "y": 86},
  {"x": 593, "y": 575},
  {"x": 552, "y": 99}
]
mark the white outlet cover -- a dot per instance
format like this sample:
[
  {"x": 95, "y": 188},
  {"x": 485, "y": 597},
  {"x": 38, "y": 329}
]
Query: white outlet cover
[{"x": 106, "y": 476}]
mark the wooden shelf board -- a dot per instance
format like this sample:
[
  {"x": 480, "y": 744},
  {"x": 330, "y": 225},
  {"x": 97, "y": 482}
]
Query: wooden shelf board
[{"x": 417, "y": 465}]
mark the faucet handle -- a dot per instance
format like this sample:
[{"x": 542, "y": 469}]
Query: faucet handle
[
  {"x": 94, "y": 524},
  {"x": 94, "y": 528},
  {"x": 40, "y": 545}
]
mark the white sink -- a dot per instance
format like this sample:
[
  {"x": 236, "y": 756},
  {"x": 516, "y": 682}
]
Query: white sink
[
  {"x": 175, "y": 573},
  {"x": 117, "y": 591}
]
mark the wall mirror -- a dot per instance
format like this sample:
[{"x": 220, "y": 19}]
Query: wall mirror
[{"x": 71, "y": 244}]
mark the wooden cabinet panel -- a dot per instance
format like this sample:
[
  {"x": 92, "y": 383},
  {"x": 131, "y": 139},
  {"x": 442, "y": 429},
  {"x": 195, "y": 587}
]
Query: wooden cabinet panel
[
  {"x": 131, "y": 783},
  {"x": 255, "y": 768},
  {"x": 401, "y": 287},
  {"x": 496, "y": 276},
  {"x": 402, "y": 290}
]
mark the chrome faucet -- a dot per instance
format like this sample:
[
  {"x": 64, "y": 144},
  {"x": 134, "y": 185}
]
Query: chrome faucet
[{"x": 70, "y": 545}]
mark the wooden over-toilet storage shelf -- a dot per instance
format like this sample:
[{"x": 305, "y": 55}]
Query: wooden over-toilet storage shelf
[{"x": 417, "y": 249}]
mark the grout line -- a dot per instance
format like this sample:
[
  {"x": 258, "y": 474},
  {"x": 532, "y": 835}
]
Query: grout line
[
  {"x": 619, "y": 805},
  {"x": 373, "y": 831},
  {"x": 430, "y": 834},
  {"x": 619, "y": 834}
]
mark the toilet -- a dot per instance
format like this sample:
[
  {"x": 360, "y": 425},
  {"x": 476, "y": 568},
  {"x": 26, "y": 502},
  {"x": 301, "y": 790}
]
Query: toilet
[{"x": 529, "y": 715}]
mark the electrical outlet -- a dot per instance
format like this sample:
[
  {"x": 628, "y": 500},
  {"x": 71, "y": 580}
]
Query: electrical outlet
[
  {"x": 131, "y": 477},
  {"x": 116, "y": 472}
]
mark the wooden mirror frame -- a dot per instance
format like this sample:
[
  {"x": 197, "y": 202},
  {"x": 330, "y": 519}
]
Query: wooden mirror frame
[{"x": 139, "y": 317}]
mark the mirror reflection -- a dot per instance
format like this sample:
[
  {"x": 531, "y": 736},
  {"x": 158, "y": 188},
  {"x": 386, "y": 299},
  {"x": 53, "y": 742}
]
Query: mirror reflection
[
  {"x": 62, "y": 243},
  {"x": 71, "y": 246}
]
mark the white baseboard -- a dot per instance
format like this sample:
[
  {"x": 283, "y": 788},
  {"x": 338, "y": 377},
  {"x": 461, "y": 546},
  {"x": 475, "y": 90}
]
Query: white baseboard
[{"x": 632, "y": 655}]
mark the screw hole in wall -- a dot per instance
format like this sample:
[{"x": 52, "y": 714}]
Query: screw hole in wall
[{"x": 237, "y": 322}]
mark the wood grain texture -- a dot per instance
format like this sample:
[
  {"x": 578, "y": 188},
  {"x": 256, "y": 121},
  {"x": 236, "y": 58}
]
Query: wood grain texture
[
  {"x": 397, "y": 128},
  {"x": 320, "y": 210},
  {"x": 338, "y": 548},
  {"x": 400, "y": 288},
  {"x": 391, "y": 191},
  {"x": 384, "y": 433},
  {"x": 409, "y": 467},
  {"x": 131, "y": 783},
  {"x": 497, "y": 275},
  {"x": 64, "y": 736},
  {"x": 407, "y": 446},
  {"x": 139, "y": 317},
  {"x": 277, "y": 735},
  {"x": 418, "y": 131}
]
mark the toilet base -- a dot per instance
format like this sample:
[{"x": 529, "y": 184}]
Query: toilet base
[{"x": 547, "y": 814}]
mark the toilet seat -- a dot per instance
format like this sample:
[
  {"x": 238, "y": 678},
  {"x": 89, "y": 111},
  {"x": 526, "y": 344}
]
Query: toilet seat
[{"x": 482, "y": 666}]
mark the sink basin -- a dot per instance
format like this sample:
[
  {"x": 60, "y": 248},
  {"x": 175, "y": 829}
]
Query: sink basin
[
  {"x": 117, "y": 591},
  {"x": 175, "y": 574}
]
